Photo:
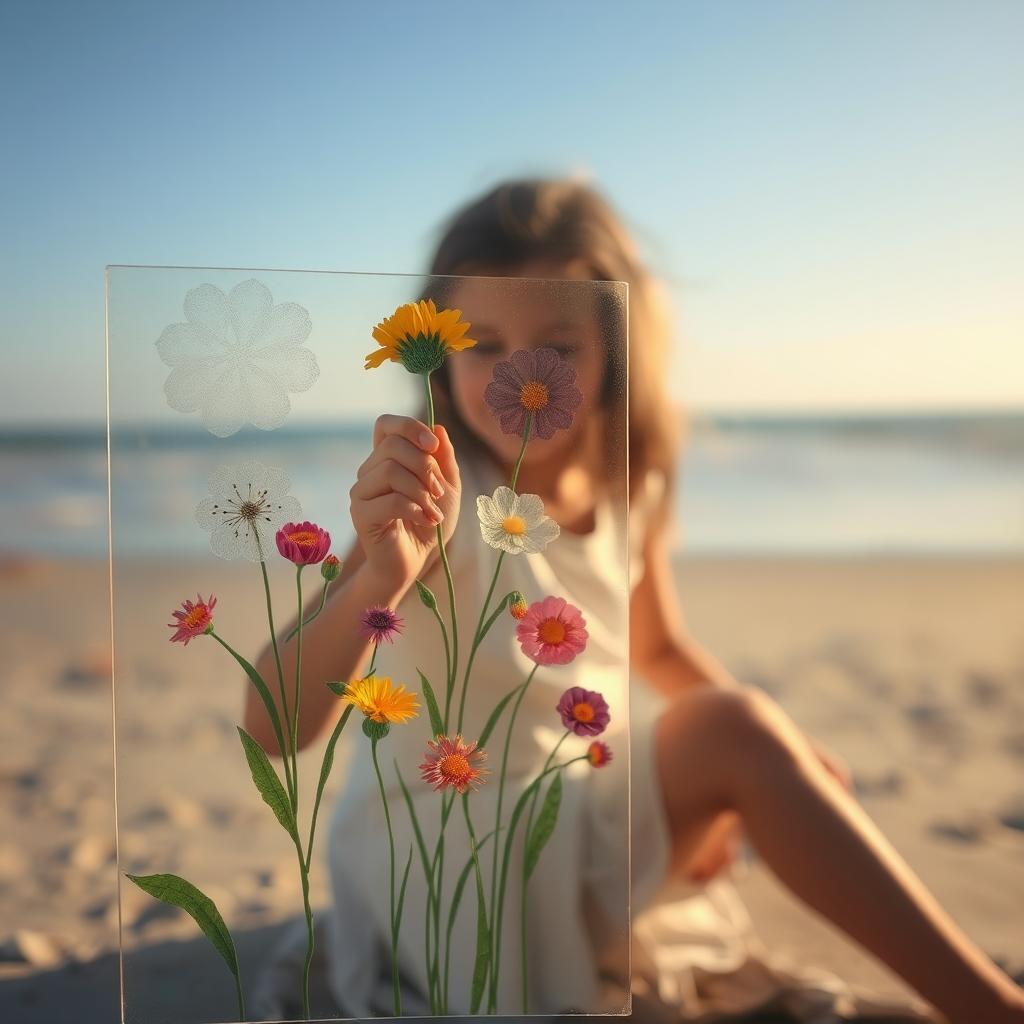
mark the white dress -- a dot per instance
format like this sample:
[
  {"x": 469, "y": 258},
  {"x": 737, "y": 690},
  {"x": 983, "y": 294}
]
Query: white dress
[{"x": 578, "y": 897}]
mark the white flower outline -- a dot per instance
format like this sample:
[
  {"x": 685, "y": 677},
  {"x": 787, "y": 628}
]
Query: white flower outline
[
  {"x": 539, "y": 530},
  {"x": 237, "y": 357},
  {"x": 246, "y": 507}
]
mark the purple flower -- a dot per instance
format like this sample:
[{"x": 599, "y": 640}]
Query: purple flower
[
  {"x": 583, "y": 711},
  {"x": 378, "y": 625},
  {"x": 538, "y": 382}
]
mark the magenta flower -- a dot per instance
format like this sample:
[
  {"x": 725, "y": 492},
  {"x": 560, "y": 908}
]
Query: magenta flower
[
  {"x": 583, "y": 711},
  {"x": 303, "y": 543},
  {"x": 538, "y": 382},
  {"x": 599, "y": 754},
  {"x": 552, "y": 632},
  {"x": 193, "y": 620},
  {"x": 378, "y": 625}
]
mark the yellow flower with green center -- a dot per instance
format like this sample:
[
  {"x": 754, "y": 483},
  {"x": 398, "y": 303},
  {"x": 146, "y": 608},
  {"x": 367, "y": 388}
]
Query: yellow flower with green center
[
  {"x": 378, "y": 699},
  {"x": 419, "y": 336}
]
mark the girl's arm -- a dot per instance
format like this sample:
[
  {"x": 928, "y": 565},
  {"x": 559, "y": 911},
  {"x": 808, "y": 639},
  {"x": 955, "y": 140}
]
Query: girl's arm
[
  {"x": 408, "y": 486},
  {"x": 661, "y": 649}
]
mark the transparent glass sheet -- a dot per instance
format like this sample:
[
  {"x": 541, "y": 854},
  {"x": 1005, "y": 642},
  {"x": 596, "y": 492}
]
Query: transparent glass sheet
[{"x": 239, "y": 405}]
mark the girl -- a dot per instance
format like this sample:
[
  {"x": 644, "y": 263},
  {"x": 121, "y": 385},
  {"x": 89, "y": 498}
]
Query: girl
[{"x": 709, "y": 755}]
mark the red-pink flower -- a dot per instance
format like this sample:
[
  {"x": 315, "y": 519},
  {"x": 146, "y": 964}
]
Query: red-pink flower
[
  {"x": 193, "y": 620},
  {"x": 378, "y": 625},
  {"x": 599, "y": 754},
  {"x": 452, "y": 763},
  {"x": 583, "y": 711},
  {"x": 303, "y": 543},
  {"x": 552, "y": 632}
]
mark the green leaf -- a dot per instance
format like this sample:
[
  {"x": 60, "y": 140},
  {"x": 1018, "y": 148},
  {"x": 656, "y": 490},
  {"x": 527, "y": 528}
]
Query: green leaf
[
  {"x": 401, "y": 897},
  {"x": 496, "y": 714},
  {"x": 268, "y": 783},
  {"x": 494, "y": 617},
  {"x": 544, "y": 826},
  {"x": 177, "y": 892},
  {"x": 432, "y": 708},
  {"x": 427, "y": 872},
  {"x": 483, "y": 939}
]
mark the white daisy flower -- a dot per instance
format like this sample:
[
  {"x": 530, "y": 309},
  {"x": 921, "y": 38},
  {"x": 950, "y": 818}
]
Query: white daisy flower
[
  {"x": 246, "y": 508},
  {"x": 515, "y": 522},
  {"x": 237, "y": 357}
]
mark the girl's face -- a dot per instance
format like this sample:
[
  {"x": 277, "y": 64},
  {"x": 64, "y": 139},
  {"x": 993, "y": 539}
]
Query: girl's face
[{"x": 512, "y": 313}]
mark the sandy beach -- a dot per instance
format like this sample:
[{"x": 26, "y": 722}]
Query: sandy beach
[{"x": 911, "y": 670}]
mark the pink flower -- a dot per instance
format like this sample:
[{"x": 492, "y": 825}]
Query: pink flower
[
  {"x": 451, "y": 763},
  {"x": 599, "y": 754},
  {"x": 194, "y": 620},
  {"x": 552, "y": 632},
  {"x": 535, "y": 382},
  {"x": 303, "y": 543},
  {"x": 377, "y": 625},
  {"x": 583, "y": 711}
]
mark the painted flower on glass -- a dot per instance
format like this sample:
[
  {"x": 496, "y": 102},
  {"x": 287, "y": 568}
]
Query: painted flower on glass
[
  {"x": 583, "y": 711},
  {"x": 237, "y": 357},
  {"x": 599, "y": 754},
  {"x": 303, "y": 543},
  {"x": 453, "y": 763},
  {"x": 330, "y": 568},
  {"x": 419, "y": 336},
  {"x": 515, "y": 522},
  {"x": 552, "y": 632},
  {"x": 380, "y": 700},
  {"x": 246, "y": 507},
  {"x": 193, "y": 620},
  {"x": 379, "y": 624},
  {"x": 538, "y": 382}
]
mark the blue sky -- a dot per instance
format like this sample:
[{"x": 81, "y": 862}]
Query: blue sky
[{"x": 834, "y": 192}]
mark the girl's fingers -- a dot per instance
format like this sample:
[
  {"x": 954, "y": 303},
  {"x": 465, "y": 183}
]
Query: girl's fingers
[
  {"x": 411, "y": 429},
  {"x": 391, "y": 477},
  {"x": 369, "y": 517},
  {"x": 444, "y": 458},
  {"x": 397, "y": 449}
]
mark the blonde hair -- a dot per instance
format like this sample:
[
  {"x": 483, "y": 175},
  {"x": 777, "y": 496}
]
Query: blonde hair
[{"x": 565, "y": 222}]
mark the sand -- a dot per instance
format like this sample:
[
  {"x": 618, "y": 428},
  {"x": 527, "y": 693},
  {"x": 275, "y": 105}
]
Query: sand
[{"x": 913, "y": 671}]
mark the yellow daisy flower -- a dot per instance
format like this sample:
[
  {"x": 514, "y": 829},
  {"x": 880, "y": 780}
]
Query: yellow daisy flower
[
  {"x": 419, "y": 337},
  {"x": 380, "y": 701}
]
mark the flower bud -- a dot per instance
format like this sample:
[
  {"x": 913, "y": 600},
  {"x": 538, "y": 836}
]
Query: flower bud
[
  {"x": 517, "y": 604},
  {"x": 330, "y": 568},
  {"x": 427, "y": 596},
  {"x": 337, "y": 688}
]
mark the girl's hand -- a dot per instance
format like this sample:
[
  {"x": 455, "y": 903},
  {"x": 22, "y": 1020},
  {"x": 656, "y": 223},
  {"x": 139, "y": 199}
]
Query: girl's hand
[{"x": 406, "y": 488}]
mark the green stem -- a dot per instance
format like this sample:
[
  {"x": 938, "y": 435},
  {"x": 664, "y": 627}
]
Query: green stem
[
  {"x": 298, "y": 683},
  {"x": 495, "y": 945},
  {"x": 391, "y": 843},
  {"x": 373, "y": 662},
  {"x": 309, "y": 933},
  {"x": 450, "y": 687},
  {"x": 324, "y": 772},
  {"x": 522, "y": 451},
  {"x": 477, "y": 638},
  {"x": 522, "y": 895},
  {"x": 430, "y": 401},
  {"x": 241, "y": 998},
  {"x": 280, "y": 677},
  {"x": 323, "y": 601}
]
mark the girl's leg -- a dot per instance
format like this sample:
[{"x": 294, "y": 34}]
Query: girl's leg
[{"x": 736, "y": 750}]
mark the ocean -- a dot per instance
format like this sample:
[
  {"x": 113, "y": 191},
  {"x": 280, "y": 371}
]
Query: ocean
[{"x": 753, "y": 487}]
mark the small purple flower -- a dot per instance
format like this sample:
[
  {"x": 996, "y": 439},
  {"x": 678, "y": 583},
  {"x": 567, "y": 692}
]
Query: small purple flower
[
  {"x": 538, "y": 382},
  {"x": 583, "y": 711},
  {"x": 377, "y": 625}
]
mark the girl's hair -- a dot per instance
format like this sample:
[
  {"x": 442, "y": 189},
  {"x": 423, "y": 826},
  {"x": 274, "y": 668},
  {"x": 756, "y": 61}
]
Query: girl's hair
[{"x": 566, "y": 223}]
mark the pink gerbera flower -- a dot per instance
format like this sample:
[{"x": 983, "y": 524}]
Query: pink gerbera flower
[
  {"x": 452, "y": 763},
  {"x": 378, "y": 625},
  {"x": 539, "y": 383},
  {"x": 552, "y": 632},
  {"x": 303, "y": 543},
  {"x": 599, "y": 754},
  {"x": 583, "y": 711},
  {"x": 193, "y": 620}
]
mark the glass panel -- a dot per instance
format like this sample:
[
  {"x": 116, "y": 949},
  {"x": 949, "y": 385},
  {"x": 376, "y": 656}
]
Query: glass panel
[{"x": 239, "y": 414}]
